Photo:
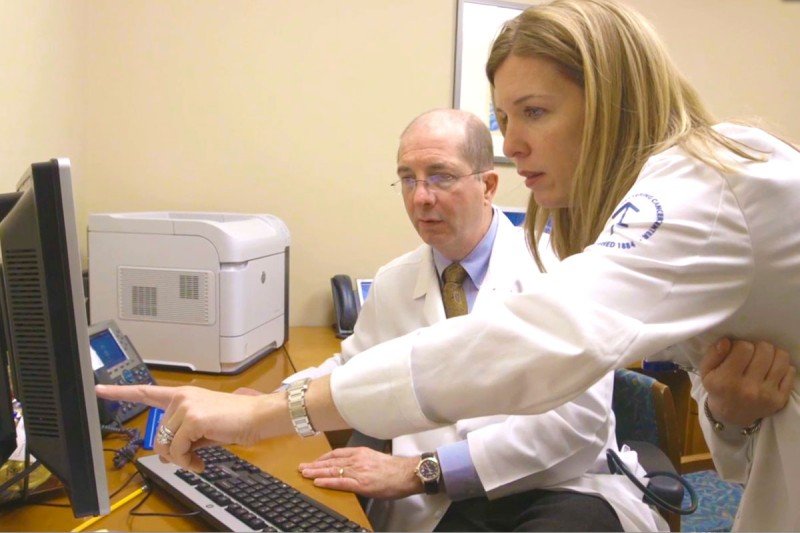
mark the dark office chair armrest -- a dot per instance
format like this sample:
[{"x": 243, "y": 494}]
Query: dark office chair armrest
[{"x": 653, "y": 459}]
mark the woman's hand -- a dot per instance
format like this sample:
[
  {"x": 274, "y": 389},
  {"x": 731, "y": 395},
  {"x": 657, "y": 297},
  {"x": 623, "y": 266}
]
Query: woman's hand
[
  {"x": 746, "y": 381},
  {"x": 366, "y": 472},
  {"x": 196, "y": 418}
]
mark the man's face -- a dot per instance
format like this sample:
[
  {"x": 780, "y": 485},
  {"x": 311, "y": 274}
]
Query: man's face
[{"x": 452, "y": 221}]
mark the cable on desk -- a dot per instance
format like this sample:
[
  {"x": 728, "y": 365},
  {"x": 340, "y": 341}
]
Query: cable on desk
[
  {"x": 48, "y": 504},
  {"x": 127, "y": 453},
  {"x": 291, "y": 363},
  {"x": 114, "y": 493},
  {"x": 149, "y": 489},
  {"x": 91, "y": 521},
  {"x": 133, "y": 512},
  {"x": 126, "y": 483},
  {"x": 22, "y": 476}
]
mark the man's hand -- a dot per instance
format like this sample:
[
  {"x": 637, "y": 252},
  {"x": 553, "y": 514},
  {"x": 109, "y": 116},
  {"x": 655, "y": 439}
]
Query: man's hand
[
  {"x": 746, "y": 381},
  {"x": 365, "y": 472}
]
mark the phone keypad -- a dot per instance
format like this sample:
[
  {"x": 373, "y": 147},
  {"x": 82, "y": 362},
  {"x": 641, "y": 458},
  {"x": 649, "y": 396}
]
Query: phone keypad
[{"x": 139, "y": 375}]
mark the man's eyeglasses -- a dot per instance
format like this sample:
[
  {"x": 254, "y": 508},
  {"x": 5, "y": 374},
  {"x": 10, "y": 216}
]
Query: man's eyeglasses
[{"x": 437, "y": 182}]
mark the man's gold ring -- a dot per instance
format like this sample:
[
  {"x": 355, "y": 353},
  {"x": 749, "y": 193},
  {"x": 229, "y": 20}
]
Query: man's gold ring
[{"x": 341, "y": 472}]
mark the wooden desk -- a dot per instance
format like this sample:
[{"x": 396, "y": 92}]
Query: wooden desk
[
  {"x": 310, "y": 346},
  {"x": 279, "y": 457}
]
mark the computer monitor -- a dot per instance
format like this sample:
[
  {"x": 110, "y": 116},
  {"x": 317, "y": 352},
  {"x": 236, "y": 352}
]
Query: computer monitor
[
  {"x": 362, "y": 290},
  {"x": 515, "y": 214},
  {"x": 48, "y": 340},
  {"x": 8, "y": 427}
]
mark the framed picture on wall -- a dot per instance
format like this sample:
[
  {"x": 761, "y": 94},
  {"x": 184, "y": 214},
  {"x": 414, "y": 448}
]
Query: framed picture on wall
[{"x": 478, "y": 23}]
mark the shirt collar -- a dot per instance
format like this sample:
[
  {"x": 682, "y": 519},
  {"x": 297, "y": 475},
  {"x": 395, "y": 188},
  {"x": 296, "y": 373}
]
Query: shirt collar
[{"x": 476, "y": 263}]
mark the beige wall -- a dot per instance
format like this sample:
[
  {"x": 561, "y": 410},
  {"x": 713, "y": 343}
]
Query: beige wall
[
  {"x": 294, "y": 107},
  {"x": 41, "y": 75}
]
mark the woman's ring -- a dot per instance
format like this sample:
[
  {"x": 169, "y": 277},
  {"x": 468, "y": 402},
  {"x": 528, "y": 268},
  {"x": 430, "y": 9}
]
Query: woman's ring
[
  {"x": 341, "y": 472},
  {"x": 165, "y": 435}
]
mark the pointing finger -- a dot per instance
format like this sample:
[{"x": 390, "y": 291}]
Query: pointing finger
[{"x": 152, "y": 395}]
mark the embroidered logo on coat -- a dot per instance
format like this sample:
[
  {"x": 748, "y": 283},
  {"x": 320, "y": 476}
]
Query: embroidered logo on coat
[{"x": 624, "y": 230}]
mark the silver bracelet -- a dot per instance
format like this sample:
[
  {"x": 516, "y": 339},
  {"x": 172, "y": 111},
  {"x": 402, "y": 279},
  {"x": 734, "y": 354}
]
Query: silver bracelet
[
  {"x": 296, "y": 396},
  {"x": 719, "y": 426}
]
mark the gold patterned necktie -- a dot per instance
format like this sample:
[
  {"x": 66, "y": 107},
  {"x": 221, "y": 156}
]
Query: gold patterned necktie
[{"x": 455, "y": 300}]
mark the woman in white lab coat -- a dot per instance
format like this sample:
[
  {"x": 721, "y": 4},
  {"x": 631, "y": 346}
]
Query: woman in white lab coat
[{"x": 673, "y": 232}]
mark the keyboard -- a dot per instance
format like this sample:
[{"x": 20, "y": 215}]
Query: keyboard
[{"x": 235, "y": 495}]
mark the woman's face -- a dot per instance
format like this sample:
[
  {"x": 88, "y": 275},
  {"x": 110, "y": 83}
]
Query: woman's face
[{"x": 540, "y": 112}]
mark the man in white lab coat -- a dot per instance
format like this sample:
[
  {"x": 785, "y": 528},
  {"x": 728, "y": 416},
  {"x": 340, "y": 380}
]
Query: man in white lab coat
[{"x": 547, "y": 471}]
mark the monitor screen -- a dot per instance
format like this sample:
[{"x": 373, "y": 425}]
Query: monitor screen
[
  {"x": 515, "y": 214},
  {"x": 48, "y": 337},
  {"x": 362, "y": 289}
]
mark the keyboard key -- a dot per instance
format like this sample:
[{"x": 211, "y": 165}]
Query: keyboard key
[
  {"x": 240, "y": 489},
  {"x": 188, "y": 477}
]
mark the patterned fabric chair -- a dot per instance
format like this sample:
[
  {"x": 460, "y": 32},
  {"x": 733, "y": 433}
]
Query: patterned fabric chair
[
  {"x": 718, "y": 501},
  {"x": 645, "y": 412}
]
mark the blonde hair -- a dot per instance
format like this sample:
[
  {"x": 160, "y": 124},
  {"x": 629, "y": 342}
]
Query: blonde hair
[{"x": 637, "y": 103}]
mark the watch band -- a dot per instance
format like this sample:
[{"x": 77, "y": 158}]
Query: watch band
[
  {"x": 719, "y": 426},
  {"x": 296, "y": 396}
]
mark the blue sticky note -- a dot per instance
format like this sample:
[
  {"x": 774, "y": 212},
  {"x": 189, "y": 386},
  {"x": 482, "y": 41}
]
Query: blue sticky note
[{"x": 153, "y": 420}]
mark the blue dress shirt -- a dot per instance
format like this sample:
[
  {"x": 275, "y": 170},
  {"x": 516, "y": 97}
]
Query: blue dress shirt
[{"x": 461, "y": 480}]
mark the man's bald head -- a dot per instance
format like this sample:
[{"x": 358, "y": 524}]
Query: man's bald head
[{"x": 476, "y": 143}]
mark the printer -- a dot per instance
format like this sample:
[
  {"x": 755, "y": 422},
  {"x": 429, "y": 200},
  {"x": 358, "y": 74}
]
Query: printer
[{"x": 203, "y": 291}]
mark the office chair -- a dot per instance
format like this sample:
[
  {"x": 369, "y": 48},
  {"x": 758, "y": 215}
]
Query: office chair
[
  {"x": 719, "y": 500},
  {"x": 647, "y": 411},
  {"x": 647, "y": 423}
]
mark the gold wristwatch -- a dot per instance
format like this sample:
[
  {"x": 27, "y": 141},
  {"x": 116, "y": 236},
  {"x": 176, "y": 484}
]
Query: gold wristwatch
[{"x": 429, "y": 472}]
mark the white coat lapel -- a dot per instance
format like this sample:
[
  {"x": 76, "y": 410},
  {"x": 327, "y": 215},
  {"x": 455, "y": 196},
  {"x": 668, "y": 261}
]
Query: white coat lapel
[{"x": 428, "y": 287}]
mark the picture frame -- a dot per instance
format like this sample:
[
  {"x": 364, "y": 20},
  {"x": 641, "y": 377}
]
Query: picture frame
[{"x": 477, "y": 24}]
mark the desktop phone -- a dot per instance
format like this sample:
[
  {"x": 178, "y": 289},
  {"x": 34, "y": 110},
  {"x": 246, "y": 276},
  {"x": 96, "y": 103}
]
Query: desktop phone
[{"x": 115, "y": 361}]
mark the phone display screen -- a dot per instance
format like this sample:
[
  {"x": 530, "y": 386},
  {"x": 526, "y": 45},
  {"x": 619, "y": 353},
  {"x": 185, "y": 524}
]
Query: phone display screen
[{"x": 106, "y": 349}]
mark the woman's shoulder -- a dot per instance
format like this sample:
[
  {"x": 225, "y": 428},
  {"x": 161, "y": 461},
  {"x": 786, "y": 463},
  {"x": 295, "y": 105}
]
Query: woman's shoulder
[
  {"x": 677, "y": 161},
  {"x": 672, "y": 162},
  {"x": 751, "y": 136}
]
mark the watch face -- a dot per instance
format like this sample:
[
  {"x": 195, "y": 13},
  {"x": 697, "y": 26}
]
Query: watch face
[{"x": 429, "y": 469}]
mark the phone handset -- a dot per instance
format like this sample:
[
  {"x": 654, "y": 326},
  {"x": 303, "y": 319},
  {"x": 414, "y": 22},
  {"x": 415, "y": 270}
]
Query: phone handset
[{"x": 345, "y": 305}]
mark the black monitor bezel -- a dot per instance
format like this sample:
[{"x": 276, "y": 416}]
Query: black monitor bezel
[{"x": 63, "y": 432}]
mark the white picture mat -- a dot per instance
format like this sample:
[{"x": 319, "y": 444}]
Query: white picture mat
[{"x": 479, "y": 22}]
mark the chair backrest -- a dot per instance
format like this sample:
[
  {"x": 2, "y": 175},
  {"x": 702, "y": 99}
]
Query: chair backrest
[{"x": 645, "y": 411}]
